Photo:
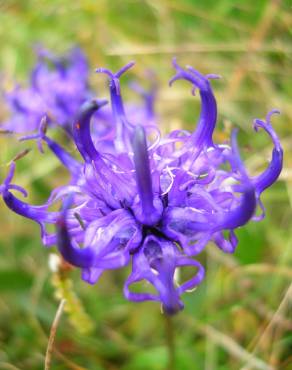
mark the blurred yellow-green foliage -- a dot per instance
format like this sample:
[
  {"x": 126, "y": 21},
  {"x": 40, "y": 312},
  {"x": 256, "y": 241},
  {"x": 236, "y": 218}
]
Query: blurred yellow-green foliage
[{"x": 240, "y": 318}]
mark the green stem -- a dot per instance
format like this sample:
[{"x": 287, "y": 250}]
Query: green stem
[{"x": 170, "y": 342}]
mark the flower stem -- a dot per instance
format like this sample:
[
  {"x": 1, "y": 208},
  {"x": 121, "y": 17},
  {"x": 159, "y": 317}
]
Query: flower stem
[{"x": 170, "y": 342}]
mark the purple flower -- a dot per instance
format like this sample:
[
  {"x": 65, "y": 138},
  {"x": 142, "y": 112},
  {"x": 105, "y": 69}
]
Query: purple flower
[
  {"x": 155, "y": 204},
  {"x": 58, "y": 86}
]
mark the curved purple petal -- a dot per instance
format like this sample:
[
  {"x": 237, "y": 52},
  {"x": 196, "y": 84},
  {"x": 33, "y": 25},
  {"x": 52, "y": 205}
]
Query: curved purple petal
[
  {"x": 208, "y": 116},
  {"x": 148, "y": 213},
  {"x": 270, "y": 175},
  {"x": 81, "y": 130},
  {"x": 73, "y": 166},
  {"x": 196, "y": 279},
  {"x": 122, "y": 140},
  {"x": 39, "y": 214},
  {"x": 71, "y": 253},
  {"x": 156, "y": 263},
  {"x": 108, "y": 242},
  {"x": 191, "y": 228},
  {"x": 242, "y": 213},
  {"x": 112, "y": 233},
  {"x": 226, "y": 245}
]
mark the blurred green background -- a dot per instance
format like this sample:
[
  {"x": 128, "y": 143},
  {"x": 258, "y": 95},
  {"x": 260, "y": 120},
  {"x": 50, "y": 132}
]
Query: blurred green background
[{"x": 240, "y": 317}]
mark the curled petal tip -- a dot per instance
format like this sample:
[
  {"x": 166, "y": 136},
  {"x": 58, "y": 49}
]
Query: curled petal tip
[
  {"x": 257, "y": 124},
  {"x": 105, "y": 71},
  {"x": 89, "y": 107},
  {"x": 179, "y": 70},
  {"x": 263, "y": 124},
  {"x": 9, "y": 177},
  {"x": 125, "y": 69},
  {"x": 118, "y": 74},
  {"x": 270, "y": 175},
  {"x": 175, "y": 64},
  {"x": 76, "y": 256},
  {"x": 172, "y": 80},
  {"x": 101, "y": 102},
  {"x": 192, "y": 75},
  {"x": 195, "y": 72},
  {"x": 271, "y": 113}
]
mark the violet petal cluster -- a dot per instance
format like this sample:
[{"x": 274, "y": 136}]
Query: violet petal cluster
[
  {"x": 57, "y": 87},
  {"x": 152, "y": 203}
]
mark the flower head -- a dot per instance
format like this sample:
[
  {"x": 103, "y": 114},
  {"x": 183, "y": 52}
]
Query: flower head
[
  {"x": 149, "y": 203},
  {"x": 57, "y": 87}
]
